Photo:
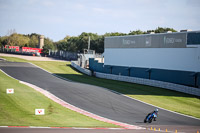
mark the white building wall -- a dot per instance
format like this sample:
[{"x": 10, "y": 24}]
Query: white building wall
[{"x": 186, "y": 59}]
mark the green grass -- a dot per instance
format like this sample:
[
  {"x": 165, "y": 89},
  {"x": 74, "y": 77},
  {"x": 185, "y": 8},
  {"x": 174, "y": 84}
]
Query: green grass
[
  {"x": 171, "y": 100},
  {"x": 18, "y": 109},
  {"x": 13, "y": 59}
]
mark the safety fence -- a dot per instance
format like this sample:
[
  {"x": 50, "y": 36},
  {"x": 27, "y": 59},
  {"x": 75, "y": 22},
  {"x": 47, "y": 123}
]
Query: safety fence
[{"x": 63, "y": 55}]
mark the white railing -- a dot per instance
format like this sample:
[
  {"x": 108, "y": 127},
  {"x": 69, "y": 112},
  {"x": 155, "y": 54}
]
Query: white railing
[{"x": 83, "y": 70}]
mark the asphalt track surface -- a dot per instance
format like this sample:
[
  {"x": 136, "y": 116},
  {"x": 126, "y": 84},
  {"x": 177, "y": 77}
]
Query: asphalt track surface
[{"x": 97, "y": 100}]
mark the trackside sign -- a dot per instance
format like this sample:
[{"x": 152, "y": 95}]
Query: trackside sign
[
  {"x": 10, "y": 91},
  {"x": 39, "y": 112}
]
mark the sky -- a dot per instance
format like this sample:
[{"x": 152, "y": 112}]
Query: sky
[{"x": 56, "y": 19}]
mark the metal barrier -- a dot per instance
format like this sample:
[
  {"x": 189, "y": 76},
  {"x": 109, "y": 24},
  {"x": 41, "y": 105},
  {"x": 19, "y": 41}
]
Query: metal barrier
[{"x": 83, "y": 70}]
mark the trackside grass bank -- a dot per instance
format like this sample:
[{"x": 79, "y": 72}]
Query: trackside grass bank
[
  {"x": 171, "y": 100},
  {"x": 18, "y": 109}
]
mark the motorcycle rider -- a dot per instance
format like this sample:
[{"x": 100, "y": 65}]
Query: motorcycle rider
[
  {"x": 156, "y": 114},
  {"x": 153, "y": 114}
]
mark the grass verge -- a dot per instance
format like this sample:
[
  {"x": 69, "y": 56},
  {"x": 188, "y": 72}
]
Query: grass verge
[
  {"x": 18, "y": 109},
  {"x": 171, "y": 100}
]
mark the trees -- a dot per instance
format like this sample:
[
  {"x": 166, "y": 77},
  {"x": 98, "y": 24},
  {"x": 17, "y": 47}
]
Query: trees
[
  {"x": 97, "y": 44},
  {"x": 137, "y": 32},
  {"x": 162, "y": 30},
  {"x": 33, "y": 42},
  {"x": 72, "y": 44},
  {"x": 17, "y": 40},
  {"x": 115, "y": 34},
  {"x": 3, "y": 41},
  {"x": 48, "y": 44},
  {"x": 68, "y": 44},
  {"x": 79, "y": 43}
]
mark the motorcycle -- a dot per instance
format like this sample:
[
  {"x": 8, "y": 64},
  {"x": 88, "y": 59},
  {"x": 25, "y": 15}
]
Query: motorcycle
[{"x": 150, "y": 117}]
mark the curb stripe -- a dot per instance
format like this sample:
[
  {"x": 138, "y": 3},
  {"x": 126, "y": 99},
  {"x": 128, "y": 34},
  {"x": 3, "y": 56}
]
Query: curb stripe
[
  {"x": 76, "y": 109},
  {"x": 77, "y": 128},
  {"x": 20, "y": 126}
]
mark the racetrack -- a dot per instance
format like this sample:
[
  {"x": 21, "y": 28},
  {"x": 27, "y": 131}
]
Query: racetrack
[{"x": 94, "y": 99}]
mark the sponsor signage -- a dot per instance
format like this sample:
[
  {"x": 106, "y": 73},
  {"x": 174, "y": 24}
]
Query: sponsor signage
[
  {"x": 167, "y": 40},
  {"x": 33, "y": 50},
  {"x": 12, "y": 47},
  {"x": 25, "y": 49},
  {"x": 39, "y": 112},
  {"x": 10, "y": 91}
]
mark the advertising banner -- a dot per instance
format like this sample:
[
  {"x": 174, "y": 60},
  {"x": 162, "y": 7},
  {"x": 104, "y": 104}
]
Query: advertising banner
[
  {"x": 164, "y": 40},
  {"x": 33, "y": 50}
]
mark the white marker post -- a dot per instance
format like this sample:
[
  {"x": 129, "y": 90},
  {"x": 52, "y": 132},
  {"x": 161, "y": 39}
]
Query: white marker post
[
  {"x": 10, "y": 91},
  {"x": 39, "y": 112}
]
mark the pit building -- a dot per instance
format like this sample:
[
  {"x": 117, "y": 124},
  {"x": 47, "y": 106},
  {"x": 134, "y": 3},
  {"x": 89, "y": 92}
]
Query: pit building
[{"x": 169, "y": 57}]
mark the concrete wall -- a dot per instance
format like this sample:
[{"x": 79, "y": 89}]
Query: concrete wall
[
  {"x": 185, "y": 59},
  {"x": 83, "y": 70},
  {"x": 166, "y": 85},
  {"x": 188, "y": 78},
  {"x": 161, "y": 84}
]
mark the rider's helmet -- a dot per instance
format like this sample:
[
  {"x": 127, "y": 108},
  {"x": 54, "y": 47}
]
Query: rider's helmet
[{"x": 156, "y": 110}]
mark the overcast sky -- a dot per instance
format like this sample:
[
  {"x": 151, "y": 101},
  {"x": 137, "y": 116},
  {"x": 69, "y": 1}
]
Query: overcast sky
[{"x": 57, "y": 18}]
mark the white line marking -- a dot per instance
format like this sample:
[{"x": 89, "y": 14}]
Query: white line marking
[
  {"x": 38, "y": 127},
  {"x": 132, "y": 98},
  {"x": 120, "y": 94},
  {"x": 72, "y": 107},
  {"x": 162, "y": 108},
  {"x": 2, "y": 59},
  {"x": 151, "y": 104}
]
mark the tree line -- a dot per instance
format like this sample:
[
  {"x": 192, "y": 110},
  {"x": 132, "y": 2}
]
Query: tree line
[
  {"x": 30, "y": 40},
  {"x": 72, "y": 44}
]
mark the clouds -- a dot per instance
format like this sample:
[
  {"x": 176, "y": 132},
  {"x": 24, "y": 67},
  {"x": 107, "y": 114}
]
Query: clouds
[{"x": 72, "y": 17}]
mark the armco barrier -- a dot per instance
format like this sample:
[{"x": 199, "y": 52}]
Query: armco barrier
[
  {"x": 83, "y": 70},
  {"x": 155, "y": 83}
]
